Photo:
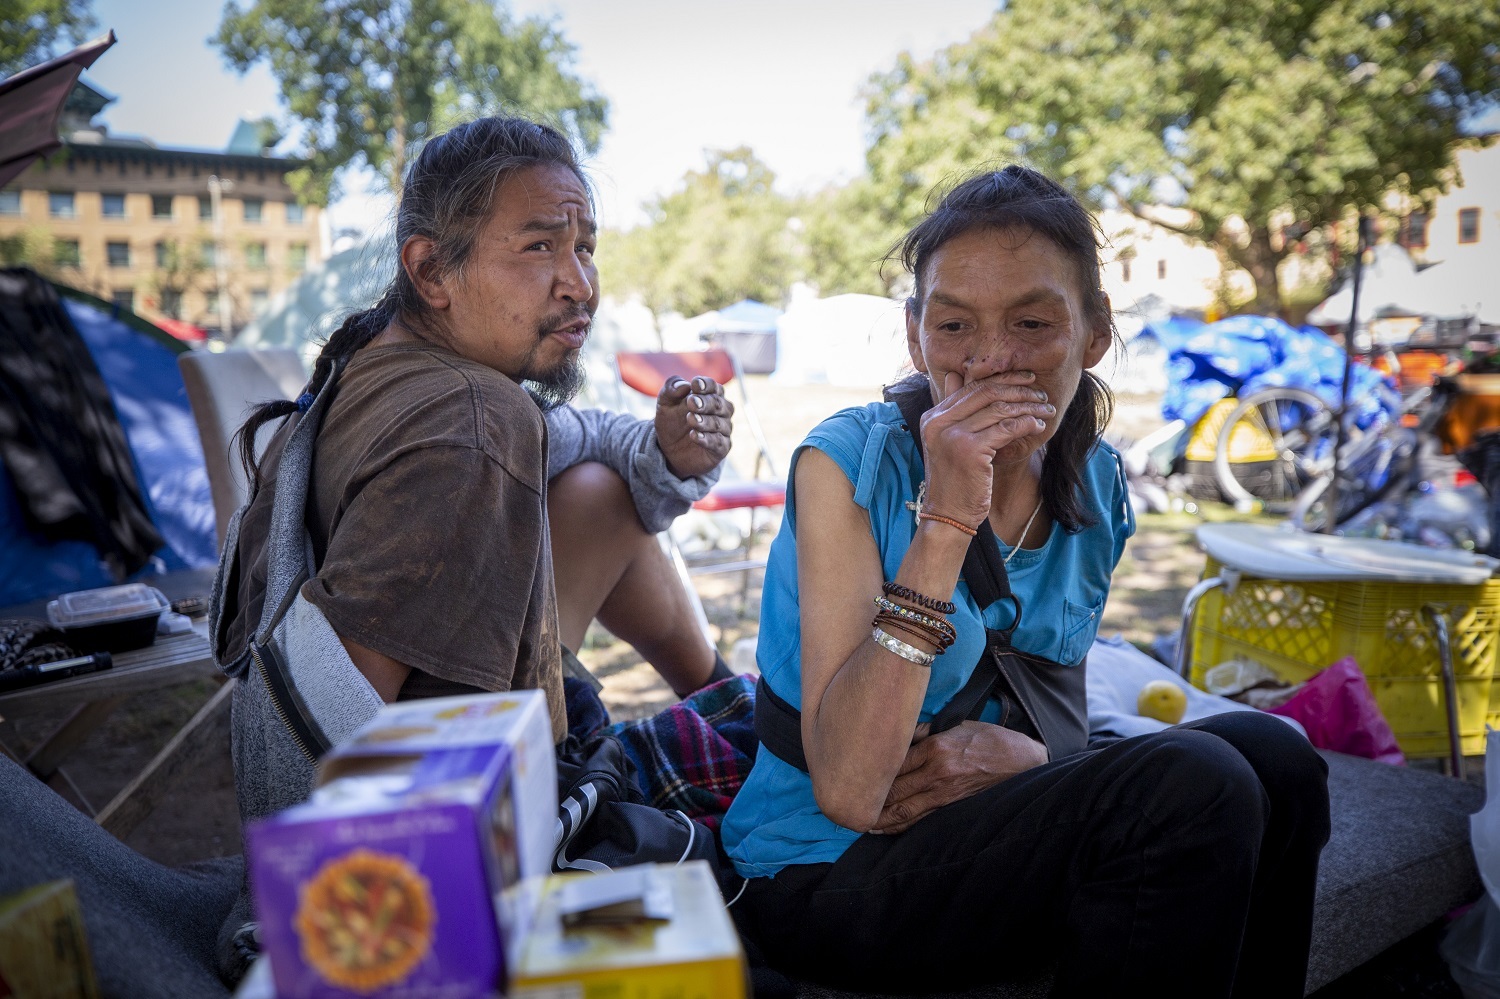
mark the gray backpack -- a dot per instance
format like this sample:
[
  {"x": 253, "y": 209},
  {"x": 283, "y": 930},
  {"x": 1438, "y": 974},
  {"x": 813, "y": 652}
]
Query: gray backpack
[{"x": 297, "y": 692}]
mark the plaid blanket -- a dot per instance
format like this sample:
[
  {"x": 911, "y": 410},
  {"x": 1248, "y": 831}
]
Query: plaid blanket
[{"x": 696, "y": 754}]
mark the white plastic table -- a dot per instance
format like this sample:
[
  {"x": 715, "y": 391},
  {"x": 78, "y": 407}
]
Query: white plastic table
[{"x": 1267, "y": 552}]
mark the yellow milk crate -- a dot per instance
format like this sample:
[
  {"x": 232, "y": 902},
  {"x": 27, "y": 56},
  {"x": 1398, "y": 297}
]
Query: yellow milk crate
[{"x": 1299, "y": 628}]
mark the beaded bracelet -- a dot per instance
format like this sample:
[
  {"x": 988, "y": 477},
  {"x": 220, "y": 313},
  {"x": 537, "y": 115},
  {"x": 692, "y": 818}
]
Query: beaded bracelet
[
  {"x": 908, "y": 652},
  {"x": 939, "y": 625},
  {"x": 940, "y": 635},
  {"x": 970, "y": 531},
  {"x": 941, "y": 631},
  {"x": 907, "y": 593}
]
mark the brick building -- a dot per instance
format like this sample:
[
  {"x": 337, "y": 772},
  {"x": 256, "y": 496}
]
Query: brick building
[{"x": 134, "y": 223}]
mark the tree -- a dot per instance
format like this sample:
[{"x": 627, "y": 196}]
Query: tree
[
  {"x": 369, "y": 79},
  {"x": 1260, "y": 116},
  {"x": 846, "y": 236},
  {"x": 35, "y": 30},
  {"x": 723, "y": 235},
  {"x": 178, "y": 270}
]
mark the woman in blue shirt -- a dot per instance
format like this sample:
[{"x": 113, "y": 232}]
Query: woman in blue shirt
[{"x": 925, "y": 813}]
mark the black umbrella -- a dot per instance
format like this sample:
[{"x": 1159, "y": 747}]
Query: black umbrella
[{"x": 32, "y": 101}]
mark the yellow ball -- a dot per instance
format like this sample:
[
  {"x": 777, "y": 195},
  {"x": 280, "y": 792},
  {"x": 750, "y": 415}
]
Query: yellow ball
[{"x": 1162, "y": 700}]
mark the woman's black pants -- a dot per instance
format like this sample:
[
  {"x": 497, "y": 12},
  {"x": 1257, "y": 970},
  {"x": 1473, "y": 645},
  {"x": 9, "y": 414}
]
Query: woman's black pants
[{"x": 1175, "y": 864}]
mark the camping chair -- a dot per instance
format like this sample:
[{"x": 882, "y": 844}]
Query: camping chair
[
  {"x": 646, "y": 373},
  {"x": 221, "y": 388}
]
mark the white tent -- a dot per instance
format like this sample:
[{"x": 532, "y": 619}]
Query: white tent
[
  {"x": 843, "y": 340},
  {"x": 1392, "y": 286}
]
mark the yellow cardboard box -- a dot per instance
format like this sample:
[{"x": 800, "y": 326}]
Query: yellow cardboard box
[
  {"x": 44, "y": 953},
  {"x": 693, "y": 953}
]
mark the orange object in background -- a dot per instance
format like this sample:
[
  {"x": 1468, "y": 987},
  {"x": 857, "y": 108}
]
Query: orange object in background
[
  {"x": 1413, "y": 368},
  {"x": 1475, "y": 407},
  {"x": 1419, "y": 368}
]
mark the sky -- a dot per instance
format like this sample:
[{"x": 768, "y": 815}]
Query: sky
[{"x": 780, "y": 76}]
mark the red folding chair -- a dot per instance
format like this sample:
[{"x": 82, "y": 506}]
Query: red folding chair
[{"x": 646, "y": 372}]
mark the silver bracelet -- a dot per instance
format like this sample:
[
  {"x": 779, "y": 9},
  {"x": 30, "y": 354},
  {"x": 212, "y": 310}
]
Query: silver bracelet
[{"x": 910, "y": 653}]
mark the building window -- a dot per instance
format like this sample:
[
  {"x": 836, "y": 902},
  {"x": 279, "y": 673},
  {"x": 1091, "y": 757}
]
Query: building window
[
  {"x": 293, "y": 213},
  {"x": 112, "y": 206},
  {"x": 255, "y": 256},
  {"x": 161, "y": 206},
  {"x": 163, "y": 253},
  {"x": 208, "y": 253},
  {"x": 117, "y": 254},
  {"x": 65, "y": 253},
  {"x": 1161, "y": 270},
  {"x": 10, "y": 202},
  {"x": 205, "y": 208},
  {"x": 255, "y": 209},
  {"x": 1468, "y": 225},
  {"x": 1414, "y": 230},
  {"x": 171, "y": 303},
  {"x": 60, "y": 205},
  {"x": 258, "y": 299},
  {"x": 1125, "y": 271},
  {"x": 123, "y": 298},
  {"x": 296, "y": 256}
]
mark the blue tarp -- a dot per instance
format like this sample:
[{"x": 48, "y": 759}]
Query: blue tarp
[
  {"x": 149, "y": 396},
  {"x": 1242, "y": 354}
]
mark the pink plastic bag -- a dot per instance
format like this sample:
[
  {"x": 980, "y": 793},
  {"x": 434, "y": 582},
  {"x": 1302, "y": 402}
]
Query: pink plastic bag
[{"x": 1340, "y": 714}]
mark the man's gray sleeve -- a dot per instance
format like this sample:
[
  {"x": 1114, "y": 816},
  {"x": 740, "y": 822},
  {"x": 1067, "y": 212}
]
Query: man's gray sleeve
[{"x": 628, "y": 446}]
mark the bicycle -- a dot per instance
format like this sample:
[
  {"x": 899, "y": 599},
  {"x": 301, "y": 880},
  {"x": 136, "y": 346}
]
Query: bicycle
[{"x": 1276, "y": 449}]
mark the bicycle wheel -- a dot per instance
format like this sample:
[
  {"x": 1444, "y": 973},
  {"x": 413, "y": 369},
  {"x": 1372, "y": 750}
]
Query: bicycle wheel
[{"x": 1273, "y": 445}]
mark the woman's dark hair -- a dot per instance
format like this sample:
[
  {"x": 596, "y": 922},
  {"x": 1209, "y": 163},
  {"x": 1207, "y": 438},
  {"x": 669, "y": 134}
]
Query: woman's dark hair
[
  {"x": 447, "y": 197},
  {"x": 1021, "y": 200}
]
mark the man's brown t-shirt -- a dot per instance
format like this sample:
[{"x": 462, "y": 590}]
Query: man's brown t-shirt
[{"x": 428, "y": 520}]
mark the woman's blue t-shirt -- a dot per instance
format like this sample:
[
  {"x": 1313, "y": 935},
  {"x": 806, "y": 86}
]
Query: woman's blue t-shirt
[{"x": 775, "y": 820}]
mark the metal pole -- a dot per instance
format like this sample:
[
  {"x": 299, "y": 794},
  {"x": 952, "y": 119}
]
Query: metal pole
[
  {"x": 1450, "y": 687},
  {"x": 1189, "y": 609},
  {"x": 216, "y": 189},
  {"x": 1366, "y": 233}
]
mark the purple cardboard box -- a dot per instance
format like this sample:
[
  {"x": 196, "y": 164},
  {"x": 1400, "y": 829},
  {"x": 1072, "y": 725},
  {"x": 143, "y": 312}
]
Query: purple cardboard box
[{"x": 414, "y": 869}]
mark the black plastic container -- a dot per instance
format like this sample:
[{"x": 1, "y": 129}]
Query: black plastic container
[{"x": 110, "y": 619}]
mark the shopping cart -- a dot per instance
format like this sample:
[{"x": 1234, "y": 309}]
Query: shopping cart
[{"x": 1423, "y": 624}]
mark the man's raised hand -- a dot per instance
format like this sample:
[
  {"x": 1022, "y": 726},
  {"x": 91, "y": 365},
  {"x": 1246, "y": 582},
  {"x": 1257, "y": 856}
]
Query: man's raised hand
[{"x": 692, "y": 425}]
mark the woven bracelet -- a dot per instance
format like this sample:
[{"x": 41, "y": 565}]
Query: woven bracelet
[{"x": 926, "y": 634}]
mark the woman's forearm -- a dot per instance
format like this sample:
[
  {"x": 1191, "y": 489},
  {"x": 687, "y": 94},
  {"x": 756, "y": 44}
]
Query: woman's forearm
[{"x": 857, "y": 738}]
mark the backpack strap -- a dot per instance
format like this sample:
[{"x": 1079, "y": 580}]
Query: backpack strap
[{"x": 288, "y": 549}]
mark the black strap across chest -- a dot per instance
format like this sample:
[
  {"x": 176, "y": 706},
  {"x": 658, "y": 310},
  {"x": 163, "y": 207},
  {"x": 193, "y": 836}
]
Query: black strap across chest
[{"x": 778, "y": 724}]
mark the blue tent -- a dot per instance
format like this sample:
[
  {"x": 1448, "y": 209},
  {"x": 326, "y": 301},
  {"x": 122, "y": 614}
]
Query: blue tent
[
  {"x": 747, "y": 316},
  {"x": 139, "y": 364}
]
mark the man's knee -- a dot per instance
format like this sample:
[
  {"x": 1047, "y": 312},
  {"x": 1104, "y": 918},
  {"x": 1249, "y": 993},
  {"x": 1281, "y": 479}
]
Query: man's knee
[{"x": 596, "y": 492}]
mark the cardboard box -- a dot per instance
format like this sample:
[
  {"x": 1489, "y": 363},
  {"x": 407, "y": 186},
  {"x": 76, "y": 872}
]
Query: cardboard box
[
  {"x": 415, "y": 868},
  {"x": 44, "y": 952},
  {"x": 693, "y": 953}
]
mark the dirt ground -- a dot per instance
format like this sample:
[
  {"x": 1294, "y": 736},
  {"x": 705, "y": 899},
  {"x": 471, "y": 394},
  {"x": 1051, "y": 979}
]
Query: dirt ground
[{"x": 200, "y": 820}]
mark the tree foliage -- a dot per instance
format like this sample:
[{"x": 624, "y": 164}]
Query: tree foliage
[
  {"x": 1258, "y": 115},
  {"x": 724, "y": 234},
  {"x": 36, "y": 30},
  {"x": 369, "y": 79}
]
